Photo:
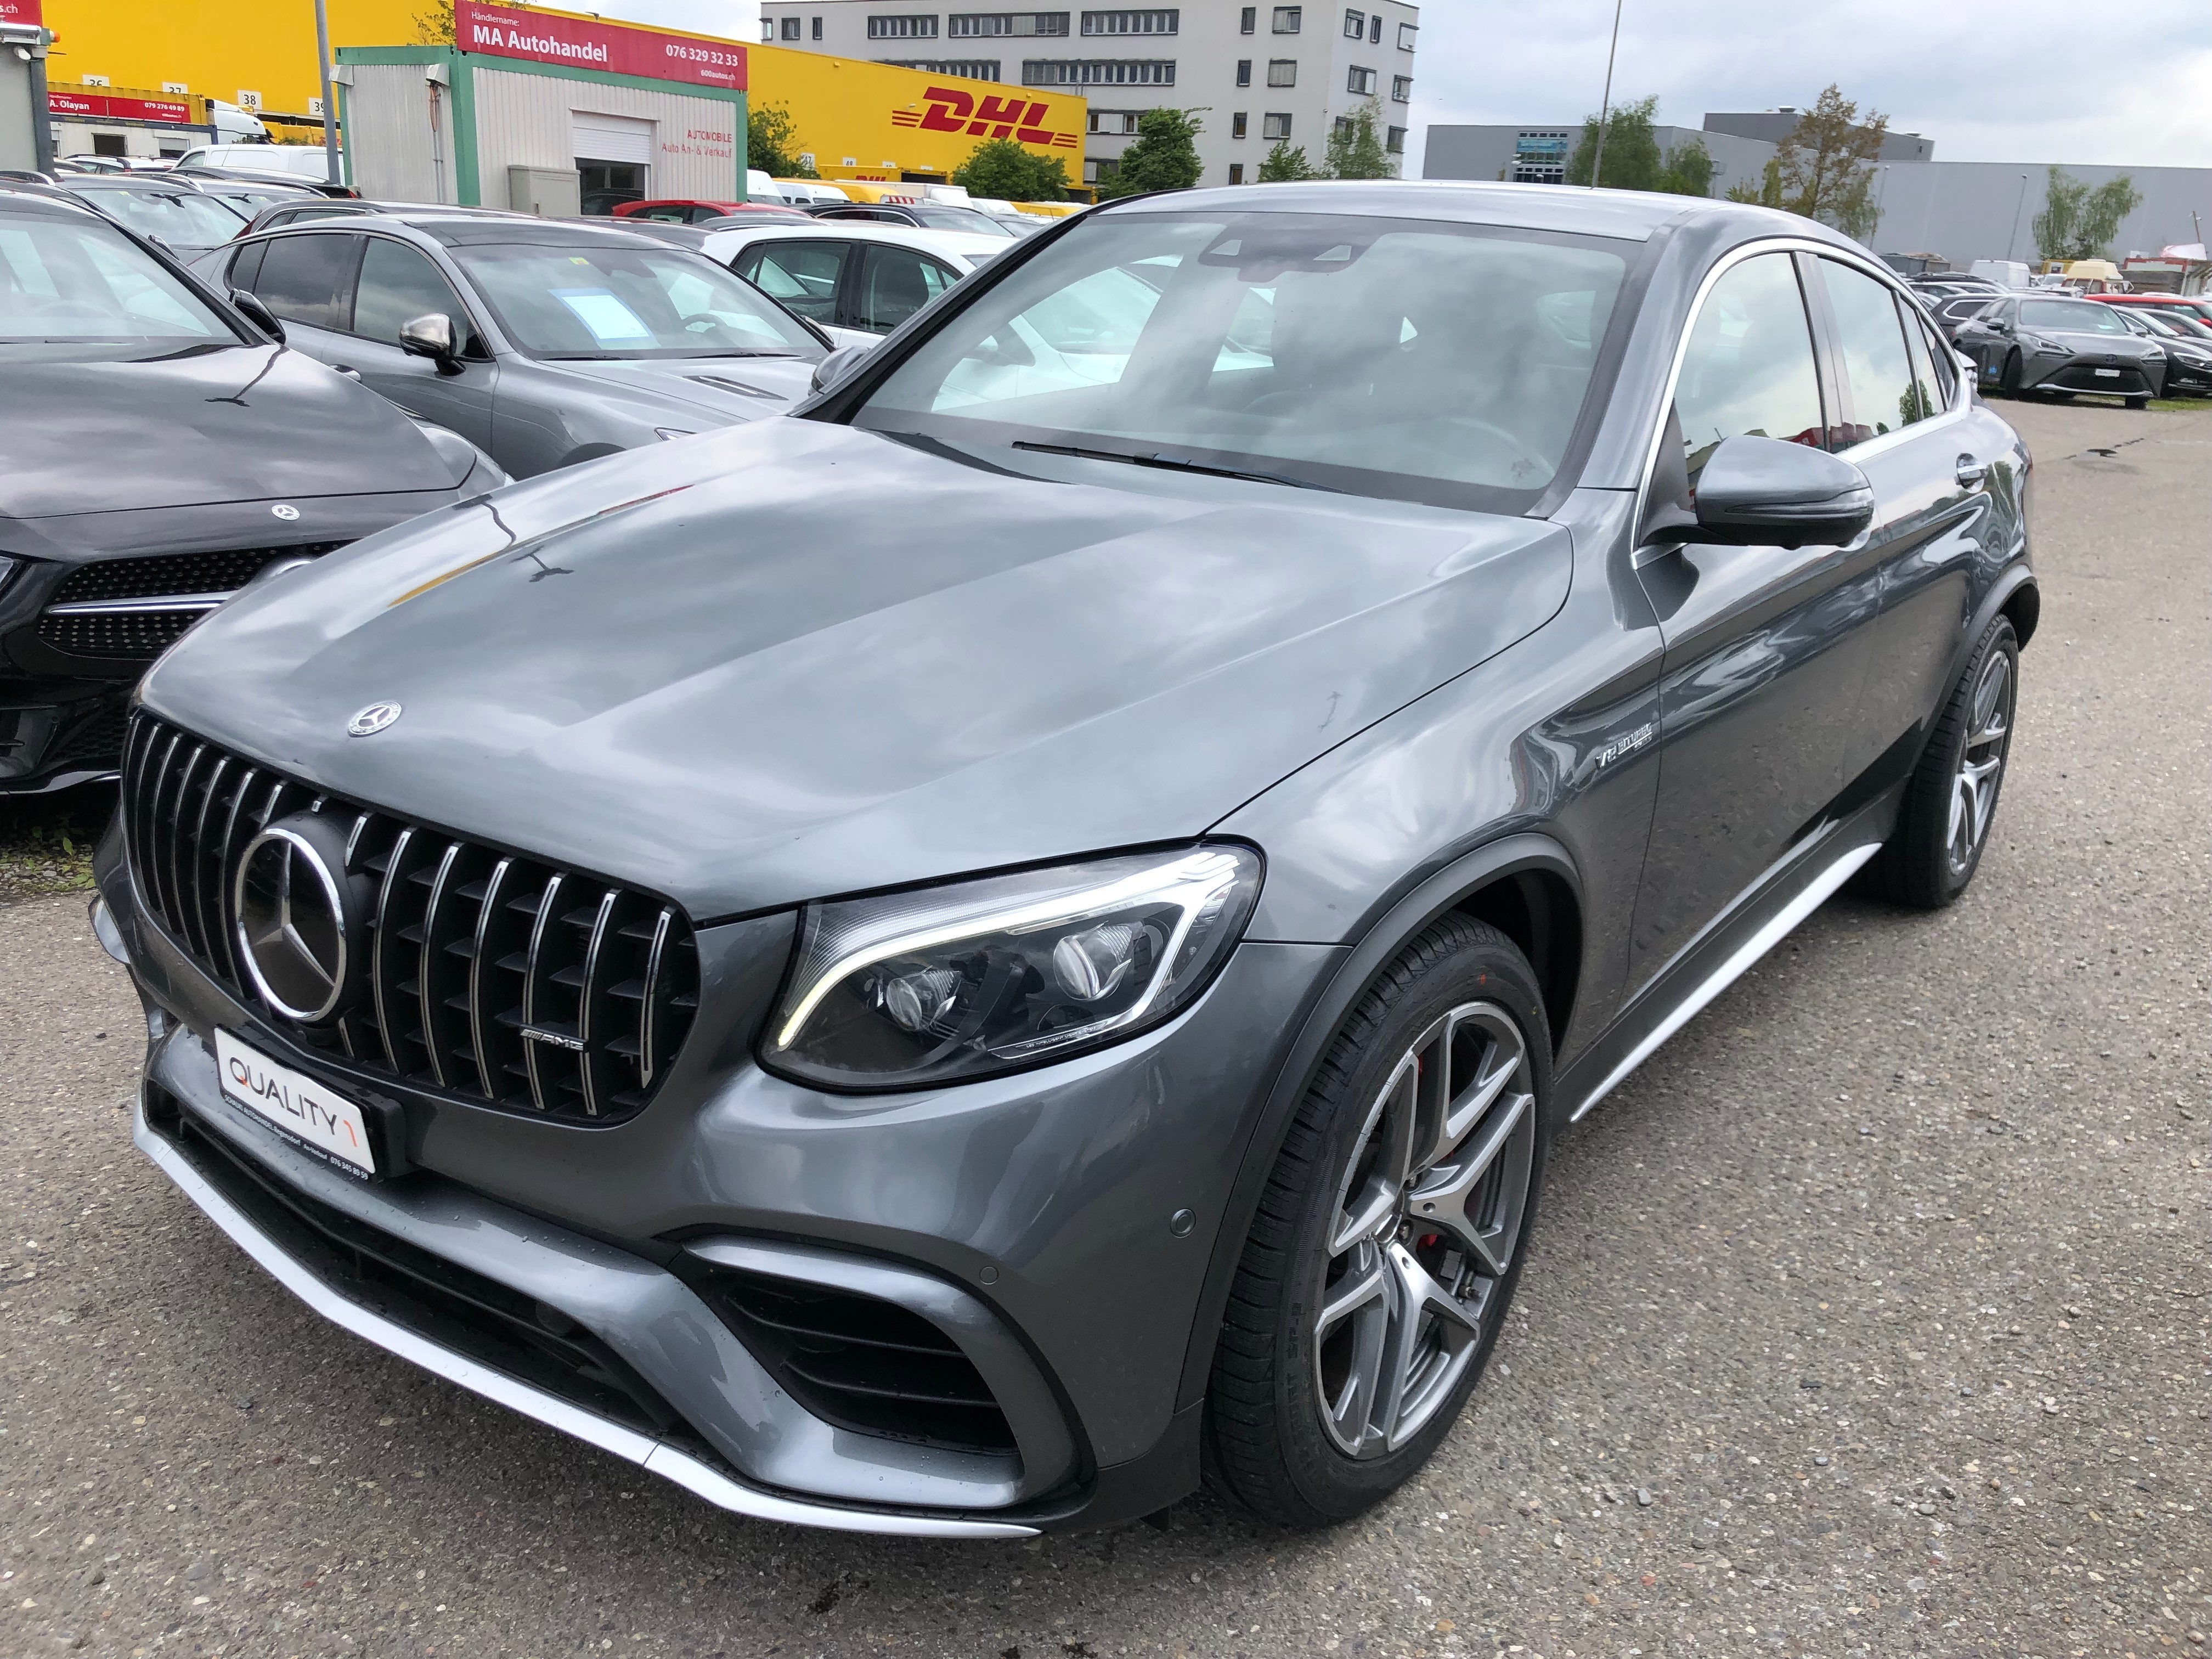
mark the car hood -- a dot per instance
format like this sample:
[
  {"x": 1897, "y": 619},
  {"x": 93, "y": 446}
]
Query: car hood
[
  {"x": 231, "y": 424},
  {"x": 735, "y": 388},
  {"x": 791, "y": 658}
]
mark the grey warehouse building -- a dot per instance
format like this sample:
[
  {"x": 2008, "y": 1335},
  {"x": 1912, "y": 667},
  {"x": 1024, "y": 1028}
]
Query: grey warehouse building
[
  {"x": 1257, "y": 75},
  {"x": 1962, "y": 210}
]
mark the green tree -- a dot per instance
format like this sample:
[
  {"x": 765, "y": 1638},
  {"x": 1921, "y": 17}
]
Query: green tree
[
  {"x": 1823, "y": 168},
  {"x": 434, "y": 25},
  {"x": 1001, "y": 169},
  {"x": 1284, "y": 164},
  {"x": 1632, "y": 159},
  {"x": 2078, "y": 222},
  {"x": 1355, "y": 148},
  {"x": 1164, "y": 156},
  {"x": 772, "y": 143}
]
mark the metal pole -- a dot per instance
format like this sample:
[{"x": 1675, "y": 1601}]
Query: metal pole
[
  {"x": 329, "y": 104},
  {"x": 1605, "y": 106},
  {"x": 2018, "y": 203},
  {"x": 42, "y": 114}
]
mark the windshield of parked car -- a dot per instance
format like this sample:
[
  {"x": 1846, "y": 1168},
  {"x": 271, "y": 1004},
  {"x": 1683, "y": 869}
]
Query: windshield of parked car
[
  {"x": 2175, "y": 324},
  {"x": 1424, "y": 361},
  {"x": 971, "y": 219},
  {"x": 2071, "y": 316},
  {"x": 73, "y": 289},
  {"x": 249, "y": 199},
  {"x": 180, "y": 218},
  {"x": 603, "y": 301}
]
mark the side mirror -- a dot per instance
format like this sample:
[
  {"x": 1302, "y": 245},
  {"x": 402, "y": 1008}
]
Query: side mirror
[
  {"x": 432, "y": 335},
  {"x": 837, "y": 365},
  {"x": 257, "y": 313},
  {"x": 1761, "y": 492}
]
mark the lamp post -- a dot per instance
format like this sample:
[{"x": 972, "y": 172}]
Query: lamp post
[
  {"x": 2018, "y": 203},
  {"x": 330, "y": 108},
  {"x": 1605, "y": 104}
]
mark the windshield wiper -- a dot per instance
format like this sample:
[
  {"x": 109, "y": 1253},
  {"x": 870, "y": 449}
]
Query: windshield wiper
[
  {"x": 583, "y": 357},
  {"x": 744, "y": 351},
  {"x": 1176, "y": 463}
]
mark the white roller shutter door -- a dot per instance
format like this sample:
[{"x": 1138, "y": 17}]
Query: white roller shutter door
[{"x": 612, "y": 138}]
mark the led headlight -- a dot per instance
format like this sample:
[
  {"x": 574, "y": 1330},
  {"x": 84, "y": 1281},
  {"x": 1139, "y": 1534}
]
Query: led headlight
[{"x": 981, "y": 976}]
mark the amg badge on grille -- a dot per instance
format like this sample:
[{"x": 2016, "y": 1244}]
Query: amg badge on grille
[{"x": 372, "y": 719}]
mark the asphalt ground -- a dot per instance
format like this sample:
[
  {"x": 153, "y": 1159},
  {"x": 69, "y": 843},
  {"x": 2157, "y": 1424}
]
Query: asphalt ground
[{"x": 1872, "y": 1317}]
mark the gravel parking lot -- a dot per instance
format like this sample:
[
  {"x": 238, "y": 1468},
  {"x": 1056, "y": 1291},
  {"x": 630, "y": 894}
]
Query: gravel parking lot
[{"x": 1873, "y": 1316}]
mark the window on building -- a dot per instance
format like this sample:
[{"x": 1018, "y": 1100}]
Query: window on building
[
  {"x": 909, "y": 27},
  {"x": 1243, "y": 72},
  {"x": 1376, "y": 24},
  {"x": 109, "y": 143},
  {"x": 1361, "y": 82},
  {"x": 1355, "y": 25},
  {"x": 1114, "y": 122},
  {"x": 790, "y": 26},
  {"x": 1282, "y": 71},
  {"x": 1287, "y": 18},
  {"x": 1344, "y": 124},
  {"x": 1394, "y": 141},
  {"x": 962, "y": 68},
  {"x": 1248, "y": 19},
  {"x": 1406, "y": 34},
  {"x": 818, "y": 29},
  {"x": 1098, "y": 72},
  {"x": 1007, "y": 23},
  {"x": 1129, "y": 22},
  {"x": 1235, "y": 173},
  {"x": 1401, "y": 89},
  {"x": 1237, "y": 124},
  {"x": 1276, "y": 126},
  {"x": 767, "y": 30}
]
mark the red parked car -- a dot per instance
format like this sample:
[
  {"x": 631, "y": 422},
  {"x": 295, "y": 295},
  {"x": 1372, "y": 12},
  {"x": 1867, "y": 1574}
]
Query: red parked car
[
  {"x": 2199, "y": 308},
  {"x": 692, "y": 212}
]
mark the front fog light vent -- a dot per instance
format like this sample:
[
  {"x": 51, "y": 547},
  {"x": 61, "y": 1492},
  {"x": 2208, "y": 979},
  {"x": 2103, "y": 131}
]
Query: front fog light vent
[{"x": 494, "y": 977}]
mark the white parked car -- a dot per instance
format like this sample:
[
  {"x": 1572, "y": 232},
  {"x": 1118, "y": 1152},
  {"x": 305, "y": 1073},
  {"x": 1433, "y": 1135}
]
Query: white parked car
[
  {"x": 855, "y": 281},
  {"x": 305, "y": 160}
]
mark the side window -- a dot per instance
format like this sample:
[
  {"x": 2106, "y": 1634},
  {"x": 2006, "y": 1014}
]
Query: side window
[
  {"x": 801, "y": 275},
  {"x": 246, "y": 265},
  {"x": 1932, "y": 398},
  {"x": 895, "y": 284},
  {"x": 398, "y": 284},
  {"x": 1877, "y": 370},
  {"x": 1748, "y": 367},
  {"x": 309, "y": 279}
]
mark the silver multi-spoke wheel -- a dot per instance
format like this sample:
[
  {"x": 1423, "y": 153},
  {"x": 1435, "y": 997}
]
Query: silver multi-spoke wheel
[
  {"x": 1427, "y": 1218},
  {"x": 1981, "y": 763}
]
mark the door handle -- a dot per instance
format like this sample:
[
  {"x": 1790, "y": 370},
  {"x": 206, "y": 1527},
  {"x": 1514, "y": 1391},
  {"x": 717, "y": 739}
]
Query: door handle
[
  {"x": 1971, "y": 472},
  {"x": 348, "y": 370}
]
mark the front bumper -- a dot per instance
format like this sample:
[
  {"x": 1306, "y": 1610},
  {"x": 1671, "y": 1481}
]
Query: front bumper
[
  {"x": 2126, "y": 377},
  {"x": 1034, "y": 1219}
]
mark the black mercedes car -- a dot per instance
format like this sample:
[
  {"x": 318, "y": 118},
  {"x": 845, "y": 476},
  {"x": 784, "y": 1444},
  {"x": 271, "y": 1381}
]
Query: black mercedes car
[
  {"x": 163, "y": 450},
  {"x": 962, "y": 960},
  {"x": 2186, "y": 340}
]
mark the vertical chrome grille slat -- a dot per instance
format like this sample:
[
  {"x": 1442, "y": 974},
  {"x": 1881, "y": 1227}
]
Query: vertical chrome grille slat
[
  {"x": 426, "y": 976},
  {"x": 648, "y": 1060},
  {"x": 559, "y": 951},
  {"x": 532, "y": 978}
]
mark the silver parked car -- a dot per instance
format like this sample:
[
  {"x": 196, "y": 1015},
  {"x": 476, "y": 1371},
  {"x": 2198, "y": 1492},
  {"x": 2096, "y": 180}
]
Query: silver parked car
[
  {"x": 544, "y": 344},
  {"x": 2026, "y": 344}
]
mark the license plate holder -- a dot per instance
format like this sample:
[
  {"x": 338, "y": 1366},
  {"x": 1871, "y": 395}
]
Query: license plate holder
[
  {"x": 310, "y": 1114},
  {"x": 2108, "y": 373}
]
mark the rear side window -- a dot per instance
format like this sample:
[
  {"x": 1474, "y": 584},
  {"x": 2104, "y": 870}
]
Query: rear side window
[
  {"x": 1928, "y": 355},
  {"x": 246, "y": 265},
  {"x": 1747, "y": 370},
  {"x": 1882, "y": 395},
  {"x": 398, "y": 284},
  {"x": 895, "y": 284},
  {"x": 801, "y": 276},
  {"x": 309, "y": 279}
]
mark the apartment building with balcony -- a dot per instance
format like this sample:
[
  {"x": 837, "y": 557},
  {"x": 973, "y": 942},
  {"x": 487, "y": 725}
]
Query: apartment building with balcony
[{"x": 1256, "y": 75}]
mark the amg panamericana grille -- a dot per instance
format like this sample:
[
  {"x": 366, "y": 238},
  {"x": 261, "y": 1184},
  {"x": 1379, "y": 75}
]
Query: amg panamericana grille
[{"x": 468, "y": 948}]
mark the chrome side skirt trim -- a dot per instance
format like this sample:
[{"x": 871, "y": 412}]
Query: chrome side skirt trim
[
  {"x": 1784, "y": 923},
  {"x": 654, "y": 1456}
]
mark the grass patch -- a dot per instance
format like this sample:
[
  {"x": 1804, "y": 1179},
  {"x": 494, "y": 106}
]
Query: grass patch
[
  {"x": 2180, "y": 405},
  {"x": 46, "y": 840}
]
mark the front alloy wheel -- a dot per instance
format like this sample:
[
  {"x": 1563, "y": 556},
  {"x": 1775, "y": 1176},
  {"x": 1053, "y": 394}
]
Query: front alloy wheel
[
  {"x": 1427, "y": 1219},
  {"x": 1377, "y": 1272}
]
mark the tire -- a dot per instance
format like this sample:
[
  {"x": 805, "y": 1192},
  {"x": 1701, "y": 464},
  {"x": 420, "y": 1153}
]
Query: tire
[
  {"x": 1952, "y": 800},
  {"x": 1289, "y": 1350},
  {"x": 2008, "y": 380},
  {"x": 2137, "y": 403}
]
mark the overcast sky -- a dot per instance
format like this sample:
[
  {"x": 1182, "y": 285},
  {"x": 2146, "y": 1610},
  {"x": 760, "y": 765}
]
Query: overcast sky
[{"x": 2127, "y": 84}]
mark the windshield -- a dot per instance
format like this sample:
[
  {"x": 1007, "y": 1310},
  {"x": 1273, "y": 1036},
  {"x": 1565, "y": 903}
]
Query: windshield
[
  {"x": 597, "y": 301},
  {"x": 180, "y": 218},
  {"x": 249, "y": 199},
  {"x": 2071, "y": 316},
  {"x": 86, "y": 283},
  {"x": 1427, "y": 362},
  {"x": 2175, "y": 324},
  {"x": 957, "y": 218}
]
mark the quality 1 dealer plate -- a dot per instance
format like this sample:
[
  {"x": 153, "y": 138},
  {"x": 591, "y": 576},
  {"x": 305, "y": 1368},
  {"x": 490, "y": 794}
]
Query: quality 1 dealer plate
[{"x": 323, "y": 1121}]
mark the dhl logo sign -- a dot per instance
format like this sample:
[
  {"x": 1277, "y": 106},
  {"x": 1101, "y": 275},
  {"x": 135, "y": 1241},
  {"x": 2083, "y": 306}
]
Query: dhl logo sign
[{"x": 949, "y": 110}]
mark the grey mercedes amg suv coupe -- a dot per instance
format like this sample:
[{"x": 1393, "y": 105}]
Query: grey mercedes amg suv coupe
[{"x": 962, "y": 960}]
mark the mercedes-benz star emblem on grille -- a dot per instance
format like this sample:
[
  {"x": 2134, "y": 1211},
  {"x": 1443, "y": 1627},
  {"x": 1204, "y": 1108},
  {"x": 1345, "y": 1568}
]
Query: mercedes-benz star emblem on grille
[
  {"x": 297, "y": 917},
  {"x": 372, "y": 719},
  {"x": 285, "y": 511}
]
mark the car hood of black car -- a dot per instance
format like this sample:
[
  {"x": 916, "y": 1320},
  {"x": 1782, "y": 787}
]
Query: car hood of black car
[
  {"x": 736, "y": 388},
  {"x": 790, "y": 659},
  {"x": 204, "y": 425}
]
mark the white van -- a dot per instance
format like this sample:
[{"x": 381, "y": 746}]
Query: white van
[
  {"x": 2013, "y": 273},
  {"x": 305, "y": 160}
]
